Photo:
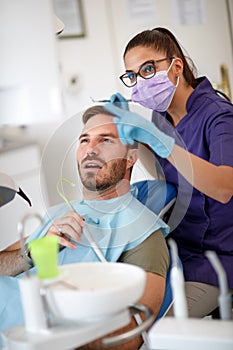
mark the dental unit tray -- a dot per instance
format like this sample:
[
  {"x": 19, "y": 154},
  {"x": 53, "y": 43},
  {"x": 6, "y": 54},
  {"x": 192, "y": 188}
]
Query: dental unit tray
[
  {"x": 69, "y": 335},
  {"x": 84, "y": 302},
  {"x": 181, "y": 332},
  {"x": 101, "y": 289},
  {"x": 170, "y": 333}
]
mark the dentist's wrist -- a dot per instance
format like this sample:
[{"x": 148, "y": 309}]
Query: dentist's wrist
[{"x": 164, "y": 146}]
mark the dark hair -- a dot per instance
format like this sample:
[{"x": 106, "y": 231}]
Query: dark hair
[
  {"x": 92, "y": 111},
  {"x": 161, "y": 39}
]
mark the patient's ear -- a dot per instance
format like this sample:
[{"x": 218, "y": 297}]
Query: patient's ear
[{"x": 132, "y": 156}]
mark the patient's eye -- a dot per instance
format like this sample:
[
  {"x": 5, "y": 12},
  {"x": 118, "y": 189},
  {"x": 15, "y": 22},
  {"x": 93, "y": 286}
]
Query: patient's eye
[
  {"x": 106, "y": 140},
  {"x": 83, "y": 140}
]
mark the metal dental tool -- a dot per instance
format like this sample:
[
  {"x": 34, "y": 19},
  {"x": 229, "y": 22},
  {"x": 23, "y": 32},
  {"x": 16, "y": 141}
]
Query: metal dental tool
[
  {"x": 105, "y": 101},
  {"x": 85, "y": 228}
]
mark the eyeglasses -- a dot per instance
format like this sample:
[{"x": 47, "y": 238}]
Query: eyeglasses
[{"x": 146, "y": 71}]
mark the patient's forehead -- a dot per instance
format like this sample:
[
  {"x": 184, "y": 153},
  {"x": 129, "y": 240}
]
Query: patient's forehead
[{"x": 100, "y": 123}]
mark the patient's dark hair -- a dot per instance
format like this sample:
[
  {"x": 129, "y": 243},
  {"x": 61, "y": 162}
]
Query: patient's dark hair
[{"x": 92, "y": 111}]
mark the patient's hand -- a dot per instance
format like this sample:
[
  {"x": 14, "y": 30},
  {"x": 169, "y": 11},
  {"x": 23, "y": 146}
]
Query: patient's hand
[{"x": 67, "y": 228}]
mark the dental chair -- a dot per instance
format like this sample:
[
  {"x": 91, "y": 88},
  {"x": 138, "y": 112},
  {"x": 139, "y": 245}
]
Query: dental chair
[{"x": 159, "y": 197}]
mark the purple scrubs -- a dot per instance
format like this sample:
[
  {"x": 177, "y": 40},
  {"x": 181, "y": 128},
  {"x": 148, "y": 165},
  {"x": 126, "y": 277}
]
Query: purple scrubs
[{"x": 201, "y": 223}]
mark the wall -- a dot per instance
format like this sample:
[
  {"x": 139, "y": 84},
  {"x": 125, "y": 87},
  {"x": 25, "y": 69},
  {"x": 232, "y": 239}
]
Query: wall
[
  {"x": 208, "y": 44},
  {"x": 109, "y": 27},
  {"x": 96, "y": 60}
]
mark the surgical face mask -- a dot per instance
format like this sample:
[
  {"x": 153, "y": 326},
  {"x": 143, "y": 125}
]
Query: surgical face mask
[{"x": 155, "y": 93}]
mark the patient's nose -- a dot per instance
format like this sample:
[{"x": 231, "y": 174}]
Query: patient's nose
[{"x": 92, "y": 148}]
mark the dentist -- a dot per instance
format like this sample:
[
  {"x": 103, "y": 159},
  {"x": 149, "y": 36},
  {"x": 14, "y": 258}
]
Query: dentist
[{"x": 191, "y": 134}]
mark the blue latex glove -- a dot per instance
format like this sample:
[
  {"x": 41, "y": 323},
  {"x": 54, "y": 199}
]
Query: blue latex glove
[
  {"x": 118, "y": 100},
  {"x": 132, "y": 127}
]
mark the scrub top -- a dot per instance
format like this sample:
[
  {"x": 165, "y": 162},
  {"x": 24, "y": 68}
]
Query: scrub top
[{"x": 200, "y": 223}]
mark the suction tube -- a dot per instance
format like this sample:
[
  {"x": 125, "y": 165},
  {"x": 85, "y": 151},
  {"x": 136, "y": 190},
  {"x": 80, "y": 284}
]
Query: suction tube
[
  {"x": 177, "y": 282},
  {"x": 224, "y": 298}
]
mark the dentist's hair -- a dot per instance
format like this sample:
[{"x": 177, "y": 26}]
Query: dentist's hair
[{"x": 162, "y": 40}]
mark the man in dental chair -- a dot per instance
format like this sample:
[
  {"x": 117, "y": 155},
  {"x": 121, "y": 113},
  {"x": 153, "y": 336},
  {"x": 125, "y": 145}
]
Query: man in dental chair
[{"x": 132, "y": 233}]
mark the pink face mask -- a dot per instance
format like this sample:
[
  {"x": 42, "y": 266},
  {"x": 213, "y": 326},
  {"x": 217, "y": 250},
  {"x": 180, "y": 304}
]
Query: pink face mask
[{"x": 155, "y": 93}]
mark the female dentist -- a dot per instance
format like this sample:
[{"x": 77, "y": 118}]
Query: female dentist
[{"x": 191, "y": 134}]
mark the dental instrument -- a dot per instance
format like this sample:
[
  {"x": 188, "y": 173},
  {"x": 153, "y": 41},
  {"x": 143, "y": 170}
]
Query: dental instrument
[
  {"x": 225, "y": 298},
  {"x": 87, "y": 313},
  {"x": 85, "y": 228},
  {"x": 177, "y": 283},
  {"x": 105, "y": 100}
]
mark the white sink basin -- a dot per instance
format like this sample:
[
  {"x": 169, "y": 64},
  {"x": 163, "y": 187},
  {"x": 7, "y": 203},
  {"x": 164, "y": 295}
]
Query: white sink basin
[{"x": 103, "y": 289}]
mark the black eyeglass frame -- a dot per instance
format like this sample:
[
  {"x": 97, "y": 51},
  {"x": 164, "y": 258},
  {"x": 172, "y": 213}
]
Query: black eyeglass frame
[{"x": 138, "y": 73}]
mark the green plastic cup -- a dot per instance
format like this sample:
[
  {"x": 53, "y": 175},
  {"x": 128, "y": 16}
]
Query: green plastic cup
[{"x": 44, "y": 253}]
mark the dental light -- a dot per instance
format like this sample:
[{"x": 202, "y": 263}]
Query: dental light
[{"x": 8, "y": 190}]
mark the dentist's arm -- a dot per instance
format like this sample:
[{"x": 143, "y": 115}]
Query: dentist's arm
[{"x": 214, "y": 181}]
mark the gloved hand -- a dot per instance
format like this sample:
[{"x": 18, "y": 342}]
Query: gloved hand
[
  {"x": 133, "y": 127},
  {"x": 118, "y": 100}
]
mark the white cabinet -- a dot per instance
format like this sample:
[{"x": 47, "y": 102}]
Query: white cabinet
[{"x": 23, "y": 164}]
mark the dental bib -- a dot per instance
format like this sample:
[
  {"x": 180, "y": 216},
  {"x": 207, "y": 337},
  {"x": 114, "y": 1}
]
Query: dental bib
[{"x": 117, "y": 225}]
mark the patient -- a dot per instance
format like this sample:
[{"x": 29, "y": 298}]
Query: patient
[{"x": 124, "y": 229}]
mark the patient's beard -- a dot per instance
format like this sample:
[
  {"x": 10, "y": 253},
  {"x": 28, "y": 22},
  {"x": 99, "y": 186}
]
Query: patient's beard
[{"x": 108, "y": 176}]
